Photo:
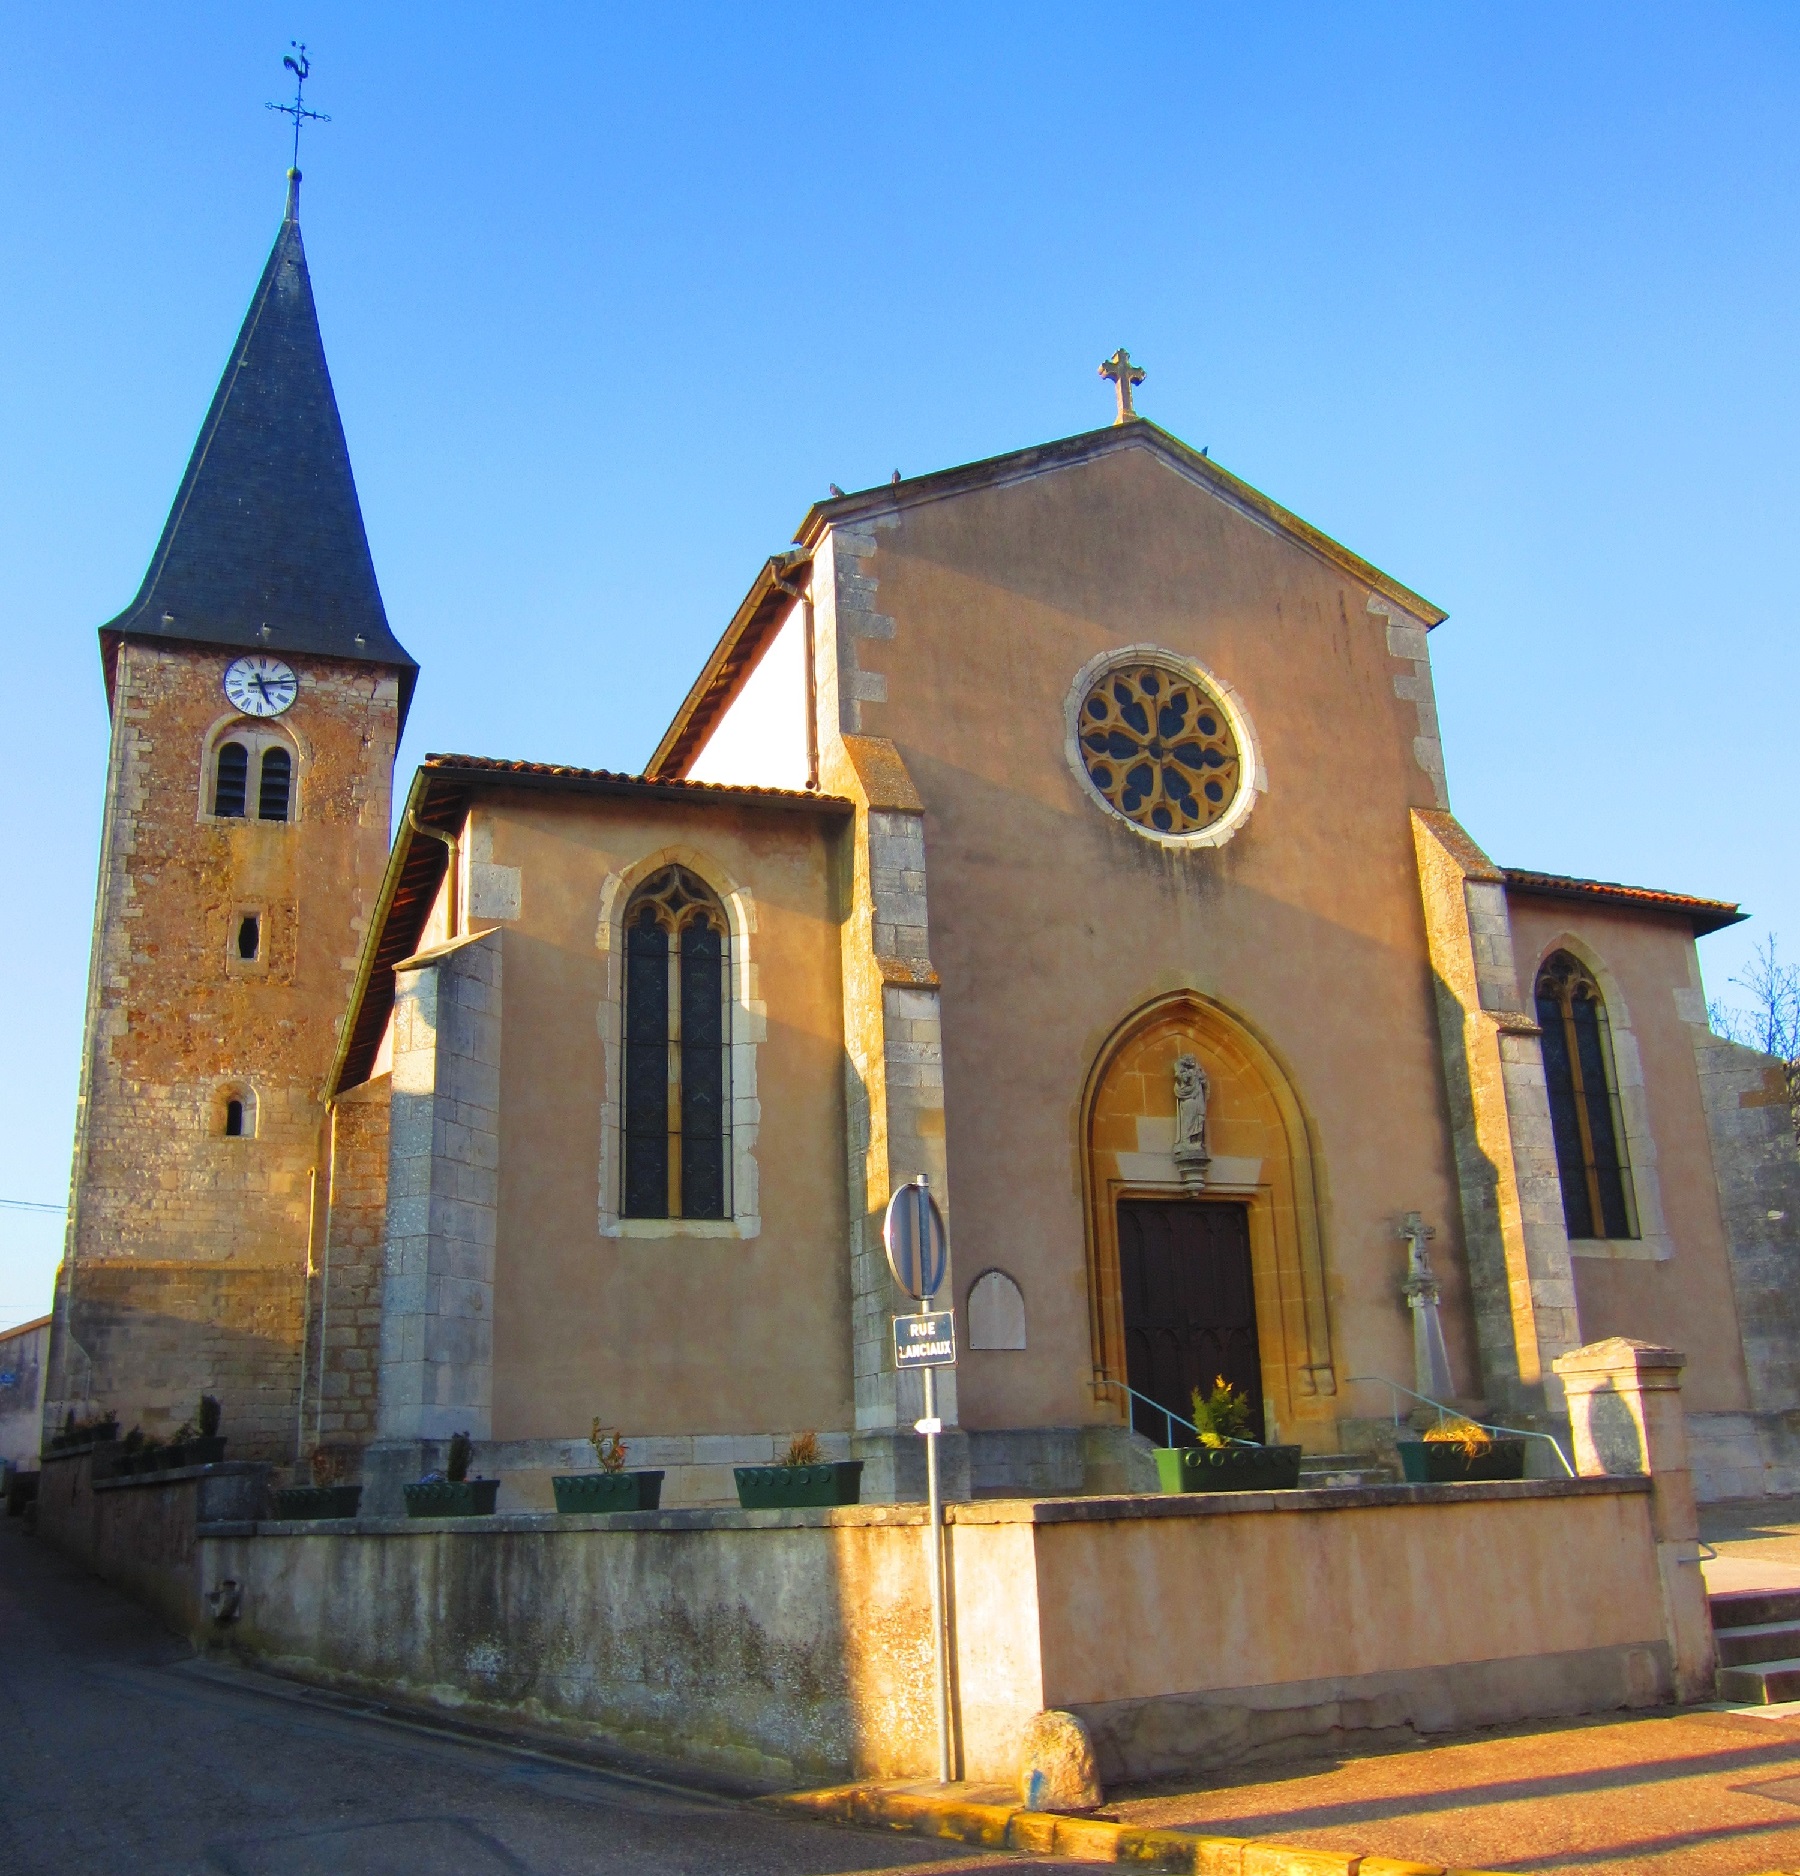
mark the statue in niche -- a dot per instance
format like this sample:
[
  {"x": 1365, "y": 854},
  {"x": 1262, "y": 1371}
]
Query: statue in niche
[{"x": 1192, "y": 1153}]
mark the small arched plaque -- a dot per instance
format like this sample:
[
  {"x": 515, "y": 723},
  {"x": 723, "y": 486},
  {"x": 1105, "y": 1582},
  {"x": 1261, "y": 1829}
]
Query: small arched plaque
[{"x": 996, "y": 1312}]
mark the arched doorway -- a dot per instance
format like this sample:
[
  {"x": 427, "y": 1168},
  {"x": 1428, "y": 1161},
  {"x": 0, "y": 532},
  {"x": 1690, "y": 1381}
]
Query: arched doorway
[{"x": 1197, "y": 1272}]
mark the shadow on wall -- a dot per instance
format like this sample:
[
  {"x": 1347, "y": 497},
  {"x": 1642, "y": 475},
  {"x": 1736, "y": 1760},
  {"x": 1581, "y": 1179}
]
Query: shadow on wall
[
  {"x": 1478, "y": 1188},
  {"x": 158, "y": 1336},
  {"x": 1617, "y": 1437}
]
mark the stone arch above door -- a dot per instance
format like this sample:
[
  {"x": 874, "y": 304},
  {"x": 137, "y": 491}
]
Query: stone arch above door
[{"x": 1262, "y": 1158}]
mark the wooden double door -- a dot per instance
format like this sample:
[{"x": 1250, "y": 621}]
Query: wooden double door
[{"x": 1189, "y": 1306}]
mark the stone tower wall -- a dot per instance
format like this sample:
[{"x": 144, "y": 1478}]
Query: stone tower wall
[
  {"x": 185, "y": 1267},
  {"x": 343, "y": 1358}
]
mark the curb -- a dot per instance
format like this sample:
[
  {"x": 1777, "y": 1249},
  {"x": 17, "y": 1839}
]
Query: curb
[{"x": 1092, "y": 1839}]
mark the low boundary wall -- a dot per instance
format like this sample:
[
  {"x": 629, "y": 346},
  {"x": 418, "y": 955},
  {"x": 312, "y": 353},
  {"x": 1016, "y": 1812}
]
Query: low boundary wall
[{"x": 794, "y": 1647}]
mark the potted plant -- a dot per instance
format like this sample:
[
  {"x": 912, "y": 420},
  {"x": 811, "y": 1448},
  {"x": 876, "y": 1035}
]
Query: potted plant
[
  {"x": 209, "y": 1447},
  {"x": 612, "y": 1488},
  {"x": 327, "y": 1496},
  {"x": 453, "y": 1494},
  {"x": 801, "y": 1478},
  {"x": 1223, "y": 1458},
  {"x": 1456, "y": 1452}
]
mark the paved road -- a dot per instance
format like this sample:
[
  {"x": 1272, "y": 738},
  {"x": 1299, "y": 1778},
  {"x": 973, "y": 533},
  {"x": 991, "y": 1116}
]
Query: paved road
[{"x": 121, "y": 1756}]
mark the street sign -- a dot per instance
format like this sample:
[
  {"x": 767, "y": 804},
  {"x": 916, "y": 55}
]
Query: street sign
[
  {"x": 927, "y": 1341},
  {"x": 913, "y": 1233}
]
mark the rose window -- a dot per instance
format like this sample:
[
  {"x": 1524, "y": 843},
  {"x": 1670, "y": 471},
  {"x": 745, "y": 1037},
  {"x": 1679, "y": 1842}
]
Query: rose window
[{"x": 1158, "y": 748}]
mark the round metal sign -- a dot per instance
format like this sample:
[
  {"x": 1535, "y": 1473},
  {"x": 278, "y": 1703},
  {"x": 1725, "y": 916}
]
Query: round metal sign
[{"x": 913, "y": 1232}]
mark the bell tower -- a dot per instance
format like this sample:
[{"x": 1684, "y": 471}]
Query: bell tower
[{"x": 257, "y": 696}]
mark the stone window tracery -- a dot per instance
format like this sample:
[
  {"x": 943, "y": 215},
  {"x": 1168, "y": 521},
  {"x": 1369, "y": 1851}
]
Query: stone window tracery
[
  {"x": 676, "y": 1110},
  {"x": 1164, "y": 745},
  {"x": 1585, "y": 1114},
  {"x": 1159, "y": 749}
]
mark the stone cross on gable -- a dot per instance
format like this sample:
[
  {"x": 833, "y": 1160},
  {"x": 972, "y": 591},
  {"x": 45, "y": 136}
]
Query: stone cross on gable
[{"x": 1124, "y": 374}]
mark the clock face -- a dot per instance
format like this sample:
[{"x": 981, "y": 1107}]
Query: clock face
[{"x": 261, "y": 687}]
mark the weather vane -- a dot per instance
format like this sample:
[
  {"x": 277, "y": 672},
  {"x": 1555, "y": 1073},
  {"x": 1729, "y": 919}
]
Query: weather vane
[{"x": 298, "y": 63}]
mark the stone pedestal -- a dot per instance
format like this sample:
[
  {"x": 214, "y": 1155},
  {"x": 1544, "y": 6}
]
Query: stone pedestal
[
  {"x": 1626, "y": 1414},
  {"x": 894, "y": 1466}
]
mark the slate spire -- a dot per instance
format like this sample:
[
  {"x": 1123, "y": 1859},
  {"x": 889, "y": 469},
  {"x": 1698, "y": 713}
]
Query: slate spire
[{"x": 264, "y": 547}]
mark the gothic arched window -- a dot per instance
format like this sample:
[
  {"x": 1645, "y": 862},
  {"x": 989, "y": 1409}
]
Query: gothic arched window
[
  {"x": 1584, "y": 1101},
  {"x": 677, "y": 1105},
  {"x": 230, "y": 781}
]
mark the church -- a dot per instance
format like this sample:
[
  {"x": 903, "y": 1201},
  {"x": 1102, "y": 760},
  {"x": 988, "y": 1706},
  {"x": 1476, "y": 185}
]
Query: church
[{"x": 1071, "y": 828}]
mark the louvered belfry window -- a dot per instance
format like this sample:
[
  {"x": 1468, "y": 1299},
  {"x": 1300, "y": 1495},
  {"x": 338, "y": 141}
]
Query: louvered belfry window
[
  {"x": 230, "y": 782},
  {"x": 277, "y": 780},
  {"x": 1585, "y": 1114},
  {"x": 677, "y": 1093}
]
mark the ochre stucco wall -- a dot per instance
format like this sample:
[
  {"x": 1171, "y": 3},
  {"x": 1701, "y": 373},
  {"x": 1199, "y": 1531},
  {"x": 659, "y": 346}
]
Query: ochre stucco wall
[
  {"x": 679, "y": 1333},
  {"x": 1648, "y": 972},
  {"x": 1051, "y": 922}
]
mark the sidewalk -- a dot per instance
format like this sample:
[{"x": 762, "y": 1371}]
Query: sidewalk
[{"x": 1689, "y": 1792}]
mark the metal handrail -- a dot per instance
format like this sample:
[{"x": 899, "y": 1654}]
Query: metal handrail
[
  {"x": 1487, "y": 1426},
  {"x": 1170, "y": 1418}
]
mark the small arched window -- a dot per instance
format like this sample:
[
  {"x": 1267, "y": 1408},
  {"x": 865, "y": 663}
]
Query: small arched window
[
  {"x": 234, "y": 1117},
  {"x": 677, "y": 1105},
  {"x": 277, "y": 777},
  {"x": 1585, "y": 1117},
  {"x": 234, "y": 1113},
  {"x": 230, "y": 781}
]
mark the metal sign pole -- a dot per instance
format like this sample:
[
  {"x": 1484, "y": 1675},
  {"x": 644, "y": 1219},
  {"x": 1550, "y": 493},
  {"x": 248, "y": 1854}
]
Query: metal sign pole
[
  {"x": 931, "y": 1426},
  {"x": 913, "y": 1233}
]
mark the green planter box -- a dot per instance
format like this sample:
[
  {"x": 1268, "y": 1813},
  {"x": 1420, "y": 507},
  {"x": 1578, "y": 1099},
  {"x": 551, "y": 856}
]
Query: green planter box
[
  {"x": 1228, "y": 1468},
  {"x": 1443, "y": 1462},
  {"x": 310, "y": 1502},
  {"x": 451, "y": 1498},
  {"x": 608, "y": 1491},
  {"x": 788, "y": 1488}
]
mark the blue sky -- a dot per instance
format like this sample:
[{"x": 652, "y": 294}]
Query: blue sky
[{"x": 1502, "y": 297}]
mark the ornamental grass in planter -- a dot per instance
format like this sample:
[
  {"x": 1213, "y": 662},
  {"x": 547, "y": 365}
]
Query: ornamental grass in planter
[
  {"x": 326, "y": 1497},
  {"x": 1223, "y": 1458},
  {"x": 612, "y": 1488},
  {"x": 801, "y": 1480},
  {"x": 1458, "y": 1452},
  {"x": 455, "y": 1495}
]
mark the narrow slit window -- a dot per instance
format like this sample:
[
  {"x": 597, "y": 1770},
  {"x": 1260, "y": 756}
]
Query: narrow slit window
[
  {"x": 277, "y": 783},
  {"x": 234, "y": 1119},
  {"x": 1586, "y": 1119},
  {"x": 676, "y": 1145},
  {"x": 249, "y": 937},
  {"x": 231, "y": 778}
]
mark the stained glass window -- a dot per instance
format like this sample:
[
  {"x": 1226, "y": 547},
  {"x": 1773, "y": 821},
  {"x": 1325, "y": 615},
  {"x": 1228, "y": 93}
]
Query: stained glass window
[
  {"x": 1159, "y": 748},
  {"x": 677, "y": 1093},
  {"x": 1585, "y": 1116}
]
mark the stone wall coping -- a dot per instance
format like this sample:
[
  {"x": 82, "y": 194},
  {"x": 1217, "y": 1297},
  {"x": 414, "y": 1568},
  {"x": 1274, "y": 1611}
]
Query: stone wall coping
[
  {"x": 1619, "y": 1354},
  {"x": 176, "y": 1475},
  {"x": 1120, "y": 1509}
]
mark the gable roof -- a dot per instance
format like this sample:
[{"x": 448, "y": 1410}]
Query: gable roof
[
  {"x": 439, "y": 799},
  {"x": 1136, "y": 433},
  {"x": 756, "y": 620},
  {"x": 744, "y": 641},
  {"x": 264, "y": 547},
  {"x": 1704, "y": 915}
]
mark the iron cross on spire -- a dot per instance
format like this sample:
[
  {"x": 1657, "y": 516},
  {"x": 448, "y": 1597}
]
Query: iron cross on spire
[
  {"x": 297, "y": 62},
  {"x": 1124, "y": 374}
]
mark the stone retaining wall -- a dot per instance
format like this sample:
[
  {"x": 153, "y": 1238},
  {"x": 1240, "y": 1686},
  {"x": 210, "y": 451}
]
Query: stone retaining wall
[{"x": 793, "y": 1647}]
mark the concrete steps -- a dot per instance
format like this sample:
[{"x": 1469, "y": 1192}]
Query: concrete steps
[
  {"x": 1323, "y": 1469},
  {"x": 1757, "y": 1633}
]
